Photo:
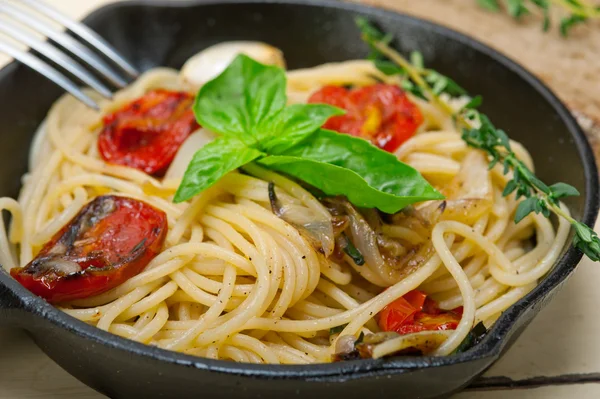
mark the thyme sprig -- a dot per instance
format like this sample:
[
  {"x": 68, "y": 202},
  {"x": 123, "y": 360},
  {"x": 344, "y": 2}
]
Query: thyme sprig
[
  {"x": 479, "y": 132},
  {"x": 577, "y": 11}
]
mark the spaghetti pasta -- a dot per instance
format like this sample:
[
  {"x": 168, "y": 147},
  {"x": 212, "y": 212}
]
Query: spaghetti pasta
[{"x": 234, "y": 281}]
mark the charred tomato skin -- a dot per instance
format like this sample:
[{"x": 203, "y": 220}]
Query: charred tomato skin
[
  {"x": 147, "y": 133},
  {"x": 380, "y": 113},
  {"x": 109, "y": 241}
]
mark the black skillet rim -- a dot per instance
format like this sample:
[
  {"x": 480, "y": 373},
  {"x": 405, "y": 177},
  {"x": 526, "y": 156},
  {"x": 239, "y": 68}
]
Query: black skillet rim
[{"x": 494, "y": 341}]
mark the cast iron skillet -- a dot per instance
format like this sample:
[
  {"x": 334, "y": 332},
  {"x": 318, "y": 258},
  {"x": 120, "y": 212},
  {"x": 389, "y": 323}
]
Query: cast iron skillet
[{"x": 309, "y": 32}]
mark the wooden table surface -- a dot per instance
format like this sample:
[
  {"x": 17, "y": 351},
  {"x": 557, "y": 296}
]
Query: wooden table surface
[{"x": 556, "y": 357}]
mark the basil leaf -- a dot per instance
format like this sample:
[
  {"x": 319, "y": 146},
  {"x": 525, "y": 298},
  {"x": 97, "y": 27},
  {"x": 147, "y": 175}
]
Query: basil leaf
[
  {"x": 294, "y": 124},
  {"x": 246, "y": 104},
  {"x": 242, "y": 99},
  {"x": 212, "y": 162},
  {"x": 340, "y": 164}
]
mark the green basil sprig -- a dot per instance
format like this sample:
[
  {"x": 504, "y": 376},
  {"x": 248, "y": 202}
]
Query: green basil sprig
[{"x": 246, "y": 105}]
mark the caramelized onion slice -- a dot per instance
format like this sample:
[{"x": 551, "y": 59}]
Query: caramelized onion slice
[
  {"x": 315, "y": 228},
  {"x": 469, "y": 195}
]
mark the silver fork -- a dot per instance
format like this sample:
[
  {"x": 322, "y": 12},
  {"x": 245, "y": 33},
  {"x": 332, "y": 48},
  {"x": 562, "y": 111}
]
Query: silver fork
[{"x": 27, "y": 20}]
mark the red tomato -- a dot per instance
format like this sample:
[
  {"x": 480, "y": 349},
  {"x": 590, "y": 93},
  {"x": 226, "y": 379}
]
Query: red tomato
[
  {"x": 380, "y": 113},
  {"x": 109, "y": 241},
  {"x": 416, "y": 298},
  {"x": 414, "y": 312},
  {"x": 426, "y": 322},
  {"x": 431, "y": 307},
  {"x": 147, "y": 133},
  {"x": 396, "y": 314}
]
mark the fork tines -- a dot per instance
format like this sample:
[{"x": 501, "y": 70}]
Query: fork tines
[{"x": 28, "y": 21}]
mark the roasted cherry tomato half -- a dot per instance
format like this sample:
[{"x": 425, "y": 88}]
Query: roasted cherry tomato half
[
  {"x": 426, "y": 322},
  {"x": 417, "y": 299},
  {"x": 415, "y": 312},
  {"x": 396, "y": 314},
  {"x": 109, "y": 241},
  {"x": 380, "y": 113},
  {"x": 147, "y": 133}
]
